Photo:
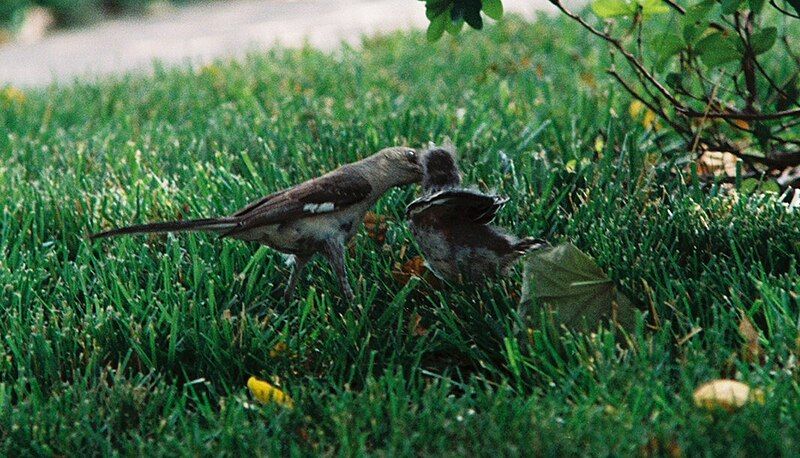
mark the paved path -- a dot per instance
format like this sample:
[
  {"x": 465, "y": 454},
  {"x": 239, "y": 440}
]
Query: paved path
[{"x": 202, "y": 32}]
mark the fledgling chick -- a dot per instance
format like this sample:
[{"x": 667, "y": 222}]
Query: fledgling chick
[
  {"x": 317, "y": 216},
  {"x": 451, "y": 224}
]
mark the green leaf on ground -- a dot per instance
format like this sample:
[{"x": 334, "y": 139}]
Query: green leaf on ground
[{"x": 576, "y": 288}]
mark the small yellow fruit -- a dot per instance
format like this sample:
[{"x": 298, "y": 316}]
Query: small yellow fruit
[
  {"x": 267, "y": 393},
  {"x": 725, "y": 394}
]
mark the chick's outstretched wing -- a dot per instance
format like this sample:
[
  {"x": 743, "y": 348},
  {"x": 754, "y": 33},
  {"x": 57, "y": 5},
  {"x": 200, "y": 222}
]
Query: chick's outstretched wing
[{"x": 455, "y": 205}]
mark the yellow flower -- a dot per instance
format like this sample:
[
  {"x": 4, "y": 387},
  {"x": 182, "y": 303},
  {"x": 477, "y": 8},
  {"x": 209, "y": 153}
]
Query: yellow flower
[{"x": 267, "y": 393}]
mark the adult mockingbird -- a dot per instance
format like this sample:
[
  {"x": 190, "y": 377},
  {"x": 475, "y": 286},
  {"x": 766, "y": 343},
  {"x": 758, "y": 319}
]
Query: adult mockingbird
[
  {"x": 451, "y": 224},
  {"x": 317, "y": 216}
]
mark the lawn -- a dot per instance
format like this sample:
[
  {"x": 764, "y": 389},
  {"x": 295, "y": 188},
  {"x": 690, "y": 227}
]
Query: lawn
[{"x": 144, "y": 345}]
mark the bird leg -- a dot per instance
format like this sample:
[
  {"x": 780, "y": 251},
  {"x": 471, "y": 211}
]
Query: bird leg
[
  {"x": 300, "y": 262},
  {"x": 334, "y": 251}
]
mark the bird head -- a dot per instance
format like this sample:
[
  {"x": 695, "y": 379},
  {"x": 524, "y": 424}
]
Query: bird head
[
  {"x": 439, "y": 169},
  {"x": 400, "y": 165}
]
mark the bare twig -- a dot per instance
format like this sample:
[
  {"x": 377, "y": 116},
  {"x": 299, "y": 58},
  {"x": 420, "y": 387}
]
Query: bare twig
[
  {"x": 675, "y": 6},
  {"x": 679, "y": 128},
  {"x": 744, "y": 116},
  {"x": 782, "y": 10},
  {"x": 635, "y": 63}
]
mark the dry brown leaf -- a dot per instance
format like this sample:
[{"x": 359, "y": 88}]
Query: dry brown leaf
[
  {"x": 376, "y": 227},
  {"x": 741, "y": 123},
  {"x": 717, "y": 163},
  {"x": 589, "y": 80},
  {"x": 751, "y": 349},
  {"x": 725, "y": 394},
  {"x": 279, "y": 349},
  {"x": 415, "y": 325},
  {"x": 414, "y": 267},
  {"x": 655, "y": 448}
]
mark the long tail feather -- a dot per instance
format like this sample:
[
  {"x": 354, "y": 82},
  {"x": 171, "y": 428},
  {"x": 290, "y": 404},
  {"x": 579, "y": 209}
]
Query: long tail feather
[{"x": 206, "y": 224}]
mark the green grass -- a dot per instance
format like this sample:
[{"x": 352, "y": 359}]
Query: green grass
[{"x": 143, "y": 345}]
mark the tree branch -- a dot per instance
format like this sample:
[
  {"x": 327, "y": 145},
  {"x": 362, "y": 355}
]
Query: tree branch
[
  {"x": 635, "y": 63},
  {"x": 655, "y": 109},
  {"x": 744, "y": 116},
  {"x": 782, "y": 10},
  {"x": 677, "y": 7}
]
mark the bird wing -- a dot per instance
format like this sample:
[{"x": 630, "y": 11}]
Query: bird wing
[
  {"x": 328, "y": 193},
  {"x": 457, "y": 205}
]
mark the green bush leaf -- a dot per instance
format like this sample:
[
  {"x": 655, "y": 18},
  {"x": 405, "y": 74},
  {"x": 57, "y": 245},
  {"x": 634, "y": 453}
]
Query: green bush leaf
[
  {"x": 650, "y": 7},
  {"x": 730, "y": 6},
  {"x": 433, "y": 8},
  {"x": 472, "y": 16},
  {"x": 795, "y": 4},
  {"x": 763, "y": 40},
  {"x": 674, "y": 80},
  {"x": 437, "y": 26},
  {"x": 756, "y": 5},
  {"x": 493, "y": 8},
  {"x": 695, "y": 21},
  {"x": 667, "y": 45},
  {"x": 454, "y": 27},
  {"x": 718, "y": 48},
  {"x": 613, "y": 8},
  {"x": 575, "y": 287}
]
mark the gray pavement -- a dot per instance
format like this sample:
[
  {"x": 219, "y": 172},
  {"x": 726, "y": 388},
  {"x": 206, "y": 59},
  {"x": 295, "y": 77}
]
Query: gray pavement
[{"x": 200, "y": 33}]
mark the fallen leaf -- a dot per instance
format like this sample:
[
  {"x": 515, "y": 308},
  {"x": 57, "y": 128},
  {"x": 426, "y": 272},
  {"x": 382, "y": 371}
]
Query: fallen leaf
[
  {"x": 599, "y": 144},
  {"x": 589, "y": 80},
  {"x": 414, "y": 267},
  {"x": 725, "y": 394},
  {"x": 415, "y": 325},
  {"x": 751, "y": 349},
  {"x": 266, "y": 393},
  {"x": 279, "y": 349},
  {"x": 640, "y": 112},
  {"x": 575, "y": 287},
  {"x": 12, "y": 96},
  {"x": 635, "y": 109},
  {"x": 654, "y": 447},
  {"x": 717, "y": 164},
  {"x": 741, "y": 123},
  {"x": 376, "y": 227},
  {"x": 650, "y": 120}
]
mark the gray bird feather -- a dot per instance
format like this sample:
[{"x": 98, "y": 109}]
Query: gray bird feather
[{"x": 316, "y": 216}]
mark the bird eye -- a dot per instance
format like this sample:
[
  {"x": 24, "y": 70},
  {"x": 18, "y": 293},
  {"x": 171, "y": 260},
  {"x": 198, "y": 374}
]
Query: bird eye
[{"x": 411, "y": 155}]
